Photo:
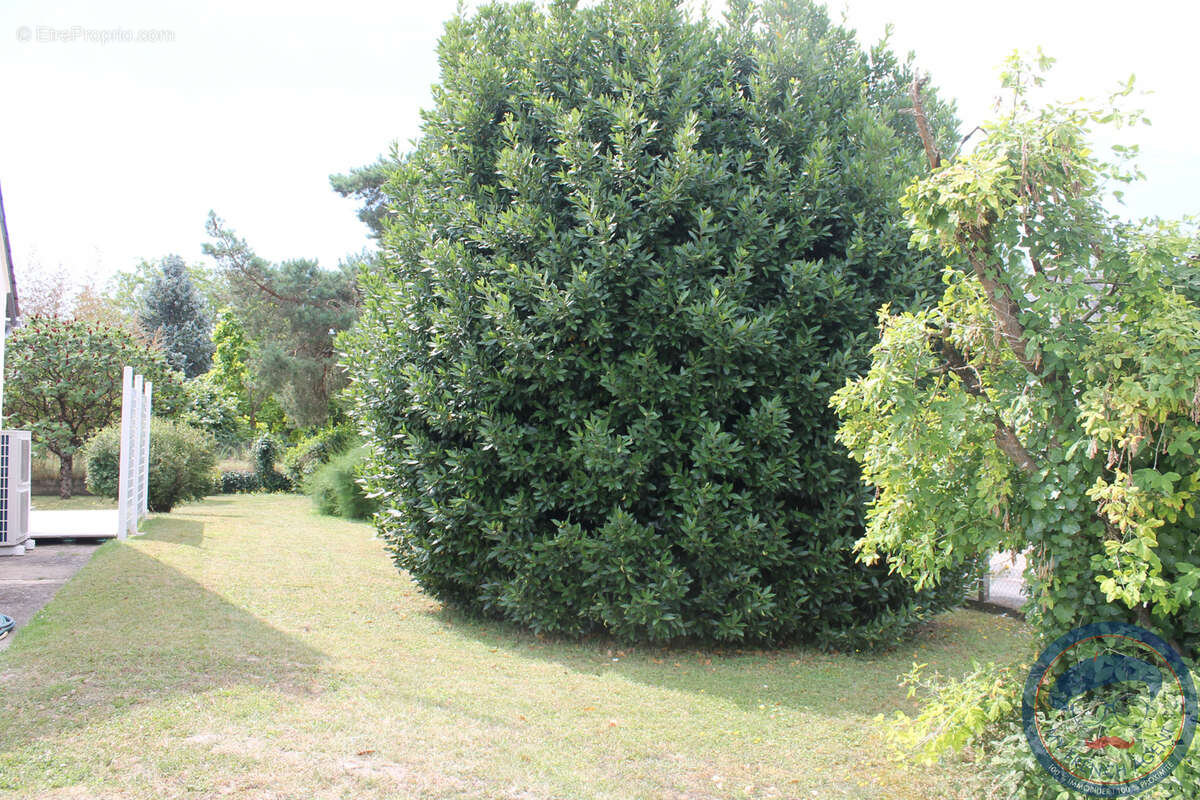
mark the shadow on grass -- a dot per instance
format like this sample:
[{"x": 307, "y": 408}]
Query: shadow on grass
[
  {"x": 95, "y": 653},
  {"x": 175, "y": 531},
  {"x": 836, "y": 685}
]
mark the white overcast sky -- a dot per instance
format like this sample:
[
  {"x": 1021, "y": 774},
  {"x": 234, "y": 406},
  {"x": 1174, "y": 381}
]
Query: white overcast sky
[{"x": 111, "y": 152}]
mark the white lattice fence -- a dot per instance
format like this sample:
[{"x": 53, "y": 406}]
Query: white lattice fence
[{"x": 133, "y": 494}]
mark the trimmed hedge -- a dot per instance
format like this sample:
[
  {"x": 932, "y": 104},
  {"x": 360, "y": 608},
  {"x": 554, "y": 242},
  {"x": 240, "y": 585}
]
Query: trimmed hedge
[
  {"x": 182, "y": 459},
  {"x": 238, "y": 482},
  {"x": 627, "y": 264}
]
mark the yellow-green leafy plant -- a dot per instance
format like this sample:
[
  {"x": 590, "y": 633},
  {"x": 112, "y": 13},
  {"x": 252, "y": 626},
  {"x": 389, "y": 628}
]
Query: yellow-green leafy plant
[{"x": 1050, "y": 401}]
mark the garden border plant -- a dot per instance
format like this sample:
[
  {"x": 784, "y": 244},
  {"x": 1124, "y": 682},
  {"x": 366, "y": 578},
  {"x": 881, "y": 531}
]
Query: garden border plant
[
  {"x": 335, "y": 487},
  {"x": 181, "y": 468}
]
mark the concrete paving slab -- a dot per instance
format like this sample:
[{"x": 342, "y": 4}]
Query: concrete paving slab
[
  {"x": 72, "y": 524},
  {"x": 28, "y": 582}
]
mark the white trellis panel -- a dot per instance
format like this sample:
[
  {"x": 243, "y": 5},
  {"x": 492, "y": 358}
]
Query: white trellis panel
[
  {"x": 139, "y": 392},
  {"x": 134, "y": 470},
  {"x": 145, "y": 450}
]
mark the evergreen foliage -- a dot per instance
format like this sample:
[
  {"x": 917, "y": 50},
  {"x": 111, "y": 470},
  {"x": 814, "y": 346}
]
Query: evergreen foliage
[
  {"x": 335, "y": 489},
  {"x": 310, "y": 453},
  {"x": 213, "y": 410},
  {"x": 289, "y": 314},
  {"x": 239, "y": 482},
  {"x": 365, "y": 184},
  {"x": 266, "y": 450},
  {"x": 628, "y": 262},
  {"x": 173, "y": 311}
]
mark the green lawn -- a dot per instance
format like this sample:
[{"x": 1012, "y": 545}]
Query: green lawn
[
  {"x": 248, "y": 648},
  {"x": 43, "y": 502}
]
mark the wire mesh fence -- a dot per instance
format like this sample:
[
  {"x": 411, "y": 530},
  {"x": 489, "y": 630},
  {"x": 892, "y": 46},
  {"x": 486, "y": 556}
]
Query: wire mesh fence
[{"x": 1003, "y": 585}]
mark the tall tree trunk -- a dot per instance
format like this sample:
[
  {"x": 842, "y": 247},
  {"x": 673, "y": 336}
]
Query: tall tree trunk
[{"x": 64, "y": 476}]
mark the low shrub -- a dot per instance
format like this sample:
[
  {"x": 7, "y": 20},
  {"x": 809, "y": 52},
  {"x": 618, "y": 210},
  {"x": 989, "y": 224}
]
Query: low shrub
[
  {"x": 239, "y": 482},
  {"x": 306, "y": 456},
  {"x": 266, "y": 450},
  {"x": 977, "y": 718},
  {"x": 210, "y": 408},
  {"x": 182, "y": 460},
  {"x": 335, "y": 490}
]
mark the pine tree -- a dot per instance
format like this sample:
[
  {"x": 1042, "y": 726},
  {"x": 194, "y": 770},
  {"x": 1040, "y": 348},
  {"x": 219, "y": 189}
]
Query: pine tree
[{"x": 173, "y": 310}]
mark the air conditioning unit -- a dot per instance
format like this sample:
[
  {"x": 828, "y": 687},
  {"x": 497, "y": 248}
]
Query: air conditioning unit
[{"x": 16, "y": 473}]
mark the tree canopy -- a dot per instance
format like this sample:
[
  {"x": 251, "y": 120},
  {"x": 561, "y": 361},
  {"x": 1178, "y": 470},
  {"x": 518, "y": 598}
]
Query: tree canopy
[
  {"x": 1049, "y": 402},
  {"x": 365, "y": 184},
  {"x": 173, "y": 311},
  {"x": 232, "y": 376},
  {"x": 289, "y": 313},
  {"x": 63, "y": 382}
]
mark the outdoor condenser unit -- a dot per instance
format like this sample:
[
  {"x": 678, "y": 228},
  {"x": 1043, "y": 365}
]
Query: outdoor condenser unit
[{"x": 16, "y": 465}]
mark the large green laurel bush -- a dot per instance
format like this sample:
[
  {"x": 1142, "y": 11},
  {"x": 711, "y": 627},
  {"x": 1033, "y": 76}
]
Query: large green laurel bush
[{"x": 627, "y": 263}]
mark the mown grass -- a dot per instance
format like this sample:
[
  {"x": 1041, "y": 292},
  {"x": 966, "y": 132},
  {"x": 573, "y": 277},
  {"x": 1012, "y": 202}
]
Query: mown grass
[
  {"x": 248, "y": 648},
  {"x": 77, "y": 502}
]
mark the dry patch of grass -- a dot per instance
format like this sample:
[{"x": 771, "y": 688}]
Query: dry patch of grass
[
  {"x": 235, "y": 465},
  {"x": 248, "y": 648}
]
